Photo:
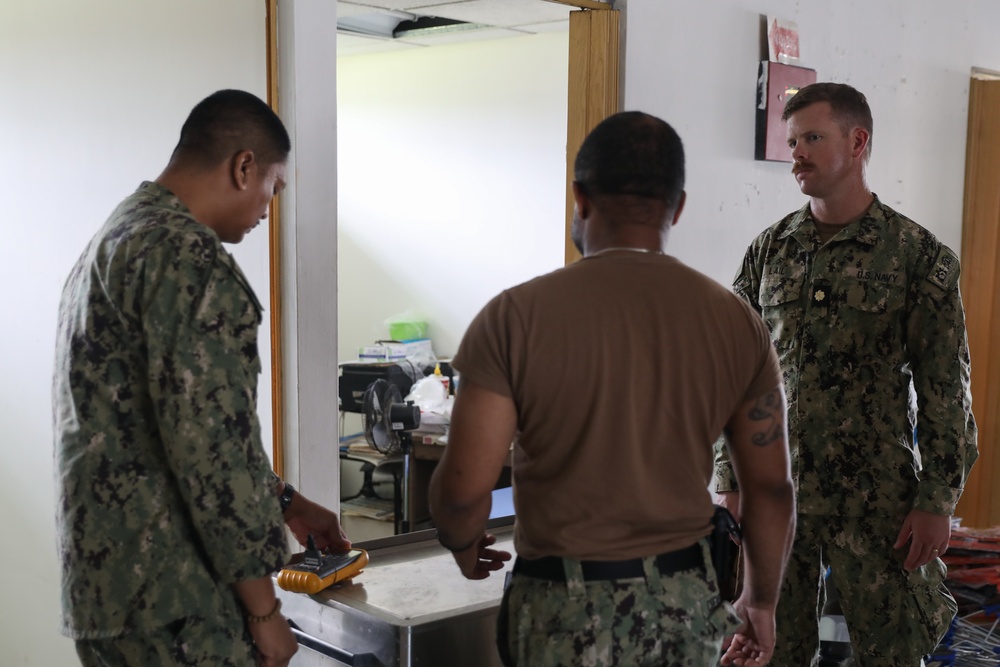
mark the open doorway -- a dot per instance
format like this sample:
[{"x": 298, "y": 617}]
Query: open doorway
[
  {"x": 592, "y": 73},
  {"x": 451, "y": 174}
]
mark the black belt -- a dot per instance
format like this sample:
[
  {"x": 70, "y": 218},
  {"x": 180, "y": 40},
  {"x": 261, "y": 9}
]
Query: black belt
[{"x": 550, "y": 568}]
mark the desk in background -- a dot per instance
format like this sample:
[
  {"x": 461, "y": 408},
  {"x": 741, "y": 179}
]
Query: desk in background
[{"x": 374, "y": 502}]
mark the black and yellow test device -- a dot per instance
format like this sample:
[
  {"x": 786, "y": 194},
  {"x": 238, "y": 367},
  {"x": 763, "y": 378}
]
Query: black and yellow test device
[{"x": 318, "y": 570}]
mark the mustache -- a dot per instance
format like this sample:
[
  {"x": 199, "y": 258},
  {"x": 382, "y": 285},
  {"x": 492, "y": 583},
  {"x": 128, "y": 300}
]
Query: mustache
[{"x": 799, "y": 166}]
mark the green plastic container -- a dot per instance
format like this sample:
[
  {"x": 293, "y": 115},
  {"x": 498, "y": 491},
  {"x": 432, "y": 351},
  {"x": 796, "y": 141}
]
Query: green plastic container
[{"x": 404, "y": 331}]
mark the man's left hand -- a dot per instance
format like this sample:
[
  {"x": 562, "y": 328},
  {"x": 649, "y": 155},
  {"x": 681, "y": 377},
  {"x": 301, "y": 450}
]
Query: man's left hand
[
  {"x": 479, "y": 560},
  {"x": 928, "y": 534},
  {"x": 304, "y": 518},
  {"x": 753, "y": 643}
]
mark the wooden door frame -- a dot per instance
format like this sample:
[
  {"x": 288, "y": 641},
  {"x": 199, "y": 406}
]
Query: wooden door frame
[
  {"x": 274, "y": 255},
  {"x": 593, "y": 91},
  {"x": 593, "y": 94}
]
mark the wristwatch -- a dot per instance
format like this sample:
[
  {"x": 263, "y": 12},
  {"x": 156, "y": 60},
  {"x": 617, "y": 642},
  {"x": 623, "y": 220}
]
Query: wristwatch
[{"x": 285, "y": 499}]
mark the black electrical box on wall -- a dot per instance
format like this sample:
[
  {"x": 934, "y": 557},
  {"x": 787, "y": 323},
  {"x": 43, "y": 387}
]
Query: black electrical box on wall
[{"x": 776, "y": 84}]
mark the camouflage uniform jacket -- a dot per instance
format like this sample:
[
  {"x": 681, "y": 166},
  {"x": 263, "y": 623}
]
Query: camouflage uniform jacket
[
  {"x": 164, "y": 488},
  {"x": 854, "y": 321}
]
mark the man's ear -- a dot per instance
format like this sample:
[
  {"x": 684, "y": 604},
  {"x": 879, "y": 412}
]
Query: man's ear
[
  {"x": 860, "y": 146},
  {"x": 680, "y": 207},
  {"x": 581, "y": 200},
  {"x": 243, "y": 163}
]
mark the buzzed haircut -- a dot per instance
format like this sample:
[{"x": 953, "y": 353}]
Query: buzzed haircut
[
  {"x": 230, "y": 121},
  {"x": 632, "y": 153},
  {"x": 847, "y": 104}
]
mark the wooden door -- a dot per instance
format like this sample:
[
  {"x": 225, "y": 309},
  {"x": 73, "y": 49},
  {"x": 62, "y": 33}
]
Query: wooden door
[{"x": 980, "y": 505}]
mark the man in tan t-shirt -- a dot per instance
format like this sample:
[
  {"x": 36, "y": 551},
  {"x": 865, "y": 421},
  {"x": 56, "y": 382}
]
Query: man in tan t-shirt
[{"x": 616, "y": 374}]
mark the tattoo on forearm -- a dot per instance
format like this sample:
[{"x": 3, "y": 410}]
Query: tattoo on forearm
[{"x": 767, "y": 409}]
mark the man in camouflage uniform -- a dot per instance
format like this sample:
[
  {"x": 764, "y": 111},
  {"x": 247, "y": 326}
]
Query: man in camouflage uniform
[
  {"x": 169, "y": 517},
  {"x": 611, "y": 476},
  {"x": 864, "y": 309}
]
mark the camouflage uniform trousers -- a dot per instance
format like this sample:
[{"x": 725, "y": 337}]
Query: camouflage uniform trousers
[
  {"x": 894, "y": 617},
  {"x": 194, "y": 641},
  {"x": 675, "y": 620}
]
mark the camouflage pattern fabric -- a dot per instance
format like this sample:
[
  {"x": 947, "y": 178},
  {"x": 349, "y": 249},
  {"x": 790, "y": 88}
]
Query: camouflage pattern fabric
[
  {"x": 855, "y": 321},
  {"x": 193, "y": 641},
  {"x": 894, "y": 617},
  {"x": 675, "y": 620},
  {"x": 164, "y": 489}
]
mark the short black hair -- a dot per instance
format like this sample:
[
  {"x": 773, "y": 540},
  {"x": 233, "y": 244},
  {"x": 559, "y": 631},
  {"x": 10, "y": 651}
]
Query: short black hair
[
  {"x": 632, "y": 153},
  {"x": 229, "y": 121},
  {"x": 847, "y": 104}
]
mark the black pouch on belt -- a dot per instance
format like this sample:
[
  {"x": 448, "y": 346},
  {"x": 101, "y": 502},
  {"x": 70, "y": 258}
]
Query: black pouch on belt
[{"x": 725, "y": 548}]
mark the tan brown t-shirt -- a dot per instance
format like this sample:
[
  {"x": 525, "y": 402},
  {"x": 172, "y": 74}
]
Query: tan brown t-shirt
[{"x": 624, "y": 368}]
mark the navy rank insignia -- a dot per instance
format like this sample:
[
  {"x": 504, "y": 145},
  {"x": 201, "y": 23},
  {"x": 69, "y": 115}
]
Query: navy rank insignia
[{"x": 945, "y": 269}]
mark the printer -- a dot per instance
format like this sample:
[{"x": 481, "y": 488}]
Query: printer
[{"x": 355, "y": 378}]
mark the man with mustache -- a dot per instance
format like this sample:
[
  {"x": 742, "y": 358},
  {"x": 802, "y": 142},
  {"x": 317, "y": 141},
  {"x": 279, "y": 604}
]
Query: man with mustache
[{"x": 864, "y": 309}]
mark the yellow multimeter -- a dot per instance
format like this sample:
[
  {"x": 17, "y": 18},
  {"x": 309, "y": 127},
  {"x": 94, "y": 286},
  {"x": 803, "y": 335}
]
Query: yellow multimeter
[{"x": 318, "y": 570}]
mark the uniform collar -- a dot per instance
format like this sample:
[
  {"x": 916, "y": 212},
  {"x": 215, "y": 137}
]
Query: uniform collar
[
  {"x": 868, "y": 230},
  {"x": 161, "y": 196}
]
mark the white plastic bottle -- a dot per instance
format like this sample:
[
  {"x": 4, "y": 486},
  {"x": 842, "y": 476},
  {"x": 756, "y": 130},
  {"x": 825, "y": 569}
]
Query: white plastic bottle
[{"x": 442, "y": 378}]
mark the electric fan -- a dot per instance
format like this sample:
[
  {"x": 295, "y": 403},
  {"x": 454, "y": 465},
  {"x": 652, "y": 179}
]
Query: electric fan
[{"x": 387, "y": 418}]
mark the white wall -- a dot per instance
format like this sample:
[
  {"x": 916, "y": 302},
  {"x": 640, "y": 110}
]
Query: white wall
[
  {"x": 92, "y": 97},
  {"x": 451, "y": 177},
  {"x": 694, "y": 63}
]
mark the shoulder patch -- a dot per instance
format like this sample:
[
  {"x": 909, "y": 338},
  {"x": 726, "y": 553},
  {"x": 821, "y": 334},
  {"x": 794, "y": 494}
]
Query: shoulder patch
[
  {"x": 741, "y": 284},
  {"x": 944, "y": 271}
]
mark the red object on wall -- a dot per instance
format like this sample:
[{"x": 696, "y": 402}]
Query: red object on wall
[
  {"x": 776, "y": 83},
  {"x": 785, "y": 41}
]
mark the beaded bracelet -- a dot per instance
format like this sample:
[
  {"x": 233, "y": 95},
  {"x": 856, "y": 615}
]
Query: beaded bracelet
[{"x": 264, "y": 619}]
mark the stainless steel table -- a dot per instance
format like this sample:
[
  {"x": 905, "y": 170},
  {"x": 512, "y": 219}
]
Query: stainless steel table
[{"x": 410, "y": 607}]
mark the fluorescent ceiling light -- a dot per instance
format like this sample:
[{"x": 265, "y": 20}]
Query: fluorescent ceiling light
[
  {"x": 394, "y": 25},
  {"x": 427, "y": 26},
  {"x": 381, "y": 24}
]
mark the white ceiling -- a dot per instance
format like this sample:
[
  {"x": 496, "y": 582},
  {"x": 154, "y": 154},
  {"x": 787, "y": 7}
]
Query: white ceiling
[{"x": 505, "y": 18}]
